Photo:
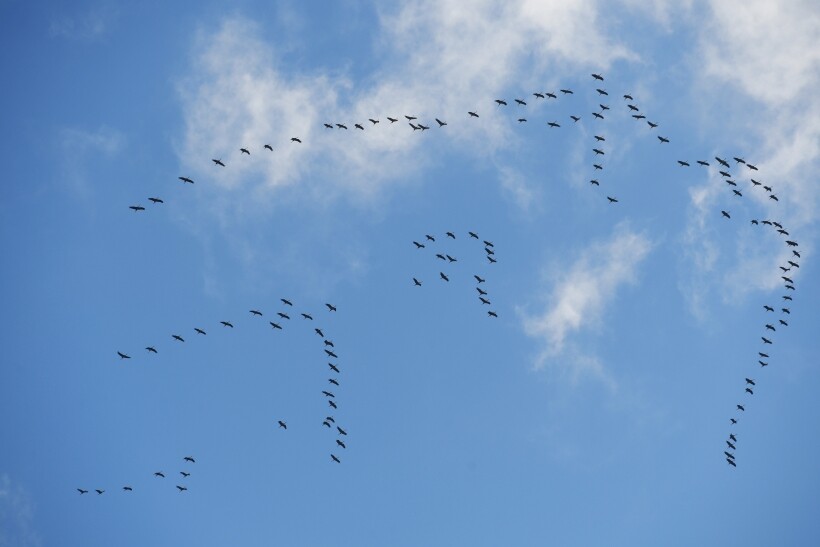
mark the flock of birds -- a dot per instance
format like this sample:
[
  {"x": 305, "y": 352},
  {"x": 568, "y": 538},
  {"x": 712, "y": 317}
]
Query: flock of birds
[
  {"x": 489, "y": 251},
  {"x": 158, "y": 474},
  {"x": 598, "y": 149}
]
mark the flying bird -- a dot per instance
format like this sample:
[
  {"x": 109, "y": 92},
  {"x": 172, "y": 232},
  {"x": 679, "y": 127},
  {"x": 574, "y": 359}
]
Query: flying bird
[
  {"x": 319, "y": 332},
  {"x": 440, "y": 123},
  {"x": 99, "y": 492},
  {"x": 444, "y": 277},
  {"x": 151, "y": 349},
  {"x": 177, "y": 337},
  {"x": 330, "y": 307},
  {"x": 286, "y": 302},
  {"x": 159, "y": 474},
  {"x": 478, "y": 279},
  {"x": 218, "y": 162},
  {"x": 662, "y": 139},
  {"x": 184, "y": 474},
  {"x": 340, "y": 443},
  {"x": 601, "y": 92},
  {"x": 683, "y": 163},
  {"x": 611, "y": 199},
  {"x": 227, "y": 323},
  {"x": 501, "y": 102},
  {"x": 598, "y": 77},
  {"x": 282, "y": 425},
  {"x": 136, "y": 208},
  {"x": 335, "y": 459},
  {"x": 199, "y": 331},
  {"x": 341, "y": 431},
  {"x": 155, "y": 200},
  {"x": 392, "y": 120},
  {"x": 123, "y": 355},
  {"x": 275, "y": 325},
  {"x": 331, "y": 354},
  {"x": 245, "y": 151},
  {"x": 473, "y": 235},
  {"x": 283, "y": 315},
  {"x": 296, "y": 139},
  {"x": 575, "y": 118},
  {"x": 81, "y": 491},
  {"x": 416, "y": 282},
  {"x": 269, "y": 147},
  {"x": 189, "y": 459},
  {"x": 492, "y": 314},
  {"x": 566, "y": 91},
  {"x": 651, "y": 125},
  {"x": 724, "y": 213},
  {"x": 186, "y": 179},
  {"x": 256, "y": 312},
  {"x": 181, "y": 488},
  {"x": 473, "y": 114}
]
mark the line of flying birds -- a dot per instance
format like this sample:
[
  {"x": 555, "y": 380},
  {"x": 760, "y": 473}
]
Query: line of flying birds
[{"x": 158, "y": 474}]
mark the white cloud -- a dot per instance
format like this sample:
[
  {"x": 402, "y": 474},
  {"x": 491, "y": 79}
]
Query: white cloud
[
  {"x": 578, "y": 299},
  {"x": 16, "y": 516}
]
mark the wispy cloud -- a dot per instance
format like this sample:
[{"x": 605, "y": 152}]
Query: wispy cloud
[
  {"x": 578, "y": 297},
  {"x": 85, "y": 27},
  {"x": 16, "y": 516},
  {"x": 78, "y": 147}
]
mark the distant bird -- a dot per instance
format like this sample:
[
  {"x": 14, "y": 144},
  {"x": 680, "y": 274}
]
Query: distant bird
[
  {"x": 774, "y": 197},
  {"x": 444, "y": 277},
  {"x": 159, "y": 474},
  {"x": 450, "y": 258},
  {"x": 152, "y": 349},
  {"x": 733, "y": 420},
  {"x": 269, "y": 147},
  {"x": 245, "y": 151},
  {"x": 598, "y": 77},
  {"x": 473, "y": 114},
  {"x": 598, "y": 151},
  {"x": 601, "y": 92},
  {"x": 633, "y": 108},
  {"x": 136, "y": 208},
  {"x": 334, "y": 368},
  {"x": 763, "y": 355},
  {"x": 740, "y": 407},
  {"x": 307, "y": 316},
  {"x": 768, "y": 308},
  {"x": 410, "y": 118},
  {"x": 333, "y": 381},
  {"x": 491, "y": 260},
  {"x": 418, "y": 245},
  {"x": 296, "y": 139},
  {"x": 651, "y": 125},
  {"x": 282, "y": 425},
  {"x": 340, "y": 443},
  {"x": 177, "y": 337},
  {"x": 783, "y": 323},
  {"x": 155, "y": 200},
  {"x": 331, "y": 403},
  {"x": 483, "y": 293},
  {"x": 575, "y": 118},
  {"x": 566, "y": 91},
  {"x": 189, "y": 459},
  {"x": 662, "y": 139},
  {"x": 184, "y": 474},
  {"x": 341, "y": 431},
  {"x": 186, "y": 179},
  {"x": 551, "y": 96},
  {"x": 123, "y": 355},
  {"x": 392, "y": 120},
  {"x": 703, "y": 163},
  {"x": 326, "y": 423},
  {"x": 440, "y": 123},
  {"x": 416, "y": 282},
  {"x": 599, "y": 138},
  {"x": 99, "y": 492},
  {"x": 451, "y": 235},
  {"x": 739, "y": 160},
  {"x": 478, "y": 279},
  {"x": 722, "y": 161},
  {"x": 553, "y": 124},
  {"x": 520, "y": 102},
  {"x": 752, "y": 167},
  {"x": 358, "y": 126},
  {"x": 330, "y": 419},
  {"x": 330, "y": 307},
  {"x": 256, "y": 312},
  {"x": 785, "y": 310},
  {"x": 319, "y": 332},
  {"x": 766, "y": 340},
  {"x": 683, "y": 163},
  {"x": 749, "y": 390},
  {"x": 639, "y": 117},
  {"x": 492, "y": 314},
  {"x": 286, "y": 302},
  {"x": 275, "y": 325},
  {"x": 328, "y": 343},
  {"x": 729, "y": 454},
  {"x": 596, "y": 166},
  {"x": 374, "y": 122},
  {"x": 328, "y": 394},
  {"x": 724, "y": 213},
  {"x": 329, "y": 126},
  {"x": 81, "y": 491},
  {"x": 595, "y": 182},
  {"x": 331, "y": 354},
  {"x": 227, "y": 323},
  {"x": 473, "y": 235},
  {"x": 599, "y": 116},
  {"x": 731, "y": 445},
  {"x": 218, "y": 162},
  {"x": 441, "y": 256},
  {"x": 611, "y": 199},
  {"x": 283, "y": 315},
  {"x": 483, "y": 300},
  {"x": 501, "y": 102},
  {"x": 762, "y": 364},
  {"x": 335, "y": 459},
  {"x": 181, "y": 488},
  {"x": 538, "y": 95},
  {"x": 199, "y": 331}
]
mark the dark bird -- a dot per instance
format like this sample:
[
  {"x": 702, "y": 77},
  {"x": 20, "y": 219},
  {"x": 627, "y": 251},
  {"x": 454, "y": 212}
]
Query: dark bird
[
  {"x": 662, "y": 139},
  {"x": 450, "y": 258},
  {"x": 374, "y": 122},
  {"x": 538, "y": 95},
  {"x": 793, "y": 264},
  {"x": 566, "y": 91},
  {"x": 155, "y": 200},
  {"x": 245, "y": 151},
  {"x": 754, "y": 182},
  {"x": 628, "y": 97},
  {"x": 501, "y": 102},
  {"x": 218, "y": 162},
  {"x": 784, "y": 278},
  {"x": 307, "y": 316},
  {"x": 729, "y": 454},
  {"x": 440, "y": 123},
  {"x": 722, "y": 162},
  {"x": 186, "y": 179},
  {"x": 783, "y": 232},
  {"x": 441, "y": 256},
  {"x": 451, "y": 235},
  {"x": 358, "y": 126},
  {"x": 410, "y": 118},
  {"x": 429, "y": 237},
  {"x": 766, "y": 340},
  {"x": 787, "y": 297},
  {"x": 599, "y": 116},
  {"x": 598, "y": 77},
  {"x": 341, "y": 431},
  {"x": 392, "y": 120},
  {"x": 256, "y": 312},
  {"x": 790, "y": 287},
  {"x": 491, "y": 260},
  {"x": 331, "y": 403},
  {"x": 733, "y": 420},
  {"x": 795, "y": 253},
  {"x": 177, "y": 337},
  {"x": 286, "y": 302},
  {"x": 99, "y": 492},
  {"x": 416, "y": 282},
  {"x": 598, "y": 151},
  {"x": 330, "y": 307},
  {"x": 326, "y": 423},
  {"x": 473, "y": 114},
  {"x": 612, "y": 200},
  {"x": 683, "y": 163},
  {"x": 296, "y": 139},
  {"x": 575, "y": 118},
  {"x": 754, "y": 222},
  {"x": 282, "y": 425},
  {"x": 181, "y": 488},
  {"x": 724, "y": 213},
  {"x": 340, "y": 443},
  {"x": 136, "y": 208},
  {"x": 123, "y": 355},
  {"x": 329, "y": 126},
  {"x": 492, "y": 314},
  {"x": 330, "y": 419},
  {"x": 731, "y": 445},
  {"x": 596, "y": 166},
  {"x": 651, "y": 125},
  {"x": 752, "y": 167},
  {"x": 601, "y": 92},
  {"x": 331, "y": 354},
  {"x": 703, "y": 163},
  {"x": 478, "y": 279},
  {"x": 444, "y": 277},
  {"x": 783, "y": 323},
  {"x": 603, "y": 107},
  {"x": 335, "y": 459},
  {"x": 551, "y": 96},
  {"x": 785, "y": 310},
  {"x": 766, "y": 355},
  {"x": 740, "y": 407},
  {"x": 599, "y": 138},
  {"x": 319, "y": 332},
  {"x": 749, "y": 390},
  {"x": 159, "y": 474},
  {"x": 189, "y": 459},
  {"x": 283, "y": 315},
  {"x": 553, "y": 124},
  {"x": 767, "y": 188},
  {"x": 473, "y": 235},
  {"x": 328, "y": 343},
  {"x": 81, "y": 491},
  {"x": 739, "y": 160},
  {"x": 632, "y": 107},
  {"x": 333, "y": 367},
  {"x": 184, "y": 474},
  {"x": 639, "y": 116},
  {"x": 275, "y": 325},
  {"x": 731, "y": 462},
  {"x": 762, "y": 364},
  {"x": 483, "y": 300},
  {"x": 483, "y": 293},
  {"x": 774, "y": 197},
  {"x": 418, "y": 245},
  {"x": 328, "y": 394},
  {"x": 151, "y": 349},
  {"x": 199, "y": 331},
  {"x": 333, "y": 381},
  {"x": 731, "y": 182},
  {"x": 269, "y": 147},
  {"x": 768, "y": 308},
  {"x": 227, "y": 323},
  {"x": 737, "y": 193},
  {"x": 520, "y": 102},
  {"x": 595, "y": 182}
]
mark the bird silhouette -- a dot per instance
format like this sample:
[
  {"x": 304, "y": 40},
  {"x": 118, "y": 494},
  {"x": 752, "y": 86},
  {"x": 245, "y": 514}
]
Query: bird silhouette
[
  {"x": 473, "y": 114},
  {"x": 189, "y": 459},
  {"x": 307, "y": 316},
  {"x": 227, "y": 323},
  {"x": 177, "y": 337},
  {"x": 286, "y": 302},
  {"x": 159, "y": 474},
  {"x": 492, "y": 314},
  {"x": 334, "y": 368},
  {"x": 282, "y": 425},
  {"x": 478, "y": 279},
  {"x": 724, "y": 213},
  {"x": 99, "y": 492},
  {"x": 181, "y": 488},
  {"x": 340, "y": 443},
  {"x": 331, "y": 354},
  {"x": 127, "y": 488},
  {"x": 335, "y": 459},
  {"x": 416, "y": 282},
  {"x": 245, "y": 151},
  {"x": 218, "y": 162},
  {"x": 123, "y": 355},
  {"x": 275, "y": 325},
  {"x": 392, "y": 120},
  {"x": 155, "y": 200},
  {"x": 184, "y": 474},
  {"x": 283, "y": 315},
  {"x": 611, "y": 199},
  {"x": 81, "y": 491},
  {"x": 186, "y": 179},
  {"x": 740, "y": 407},
  {"x": 330, "y": 307},
  {"x": 662, "y": 139},
  {"x": 444, "y": 277},
  {"x": 296, "y": 139},
  {"x": 319, "y": 332},
  {"x": 199, "y": 331},
  {"x": 137, "y": 208},
  {"x": 269, "y": 147}
]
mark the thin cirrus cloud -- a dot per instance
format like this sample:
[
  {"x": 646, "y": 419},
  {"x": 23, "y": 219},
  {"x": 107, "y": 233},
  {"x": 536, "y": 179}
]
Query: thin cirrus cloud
[
  {"x": 578, "y": 298},
  {"x": 438, "y": 61}
]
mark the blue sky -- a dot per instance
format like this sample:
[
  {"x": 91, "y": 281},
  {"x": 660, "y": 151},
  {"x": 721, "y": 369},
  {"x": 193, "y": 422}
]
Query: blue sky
[{"x": 593, "y": 411}]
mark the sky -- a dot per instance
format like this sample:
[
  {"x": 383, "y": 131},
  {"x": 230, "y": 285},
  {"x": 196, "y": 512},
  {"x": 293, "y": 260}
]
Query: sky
[{"x": 593, "y": 410}]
